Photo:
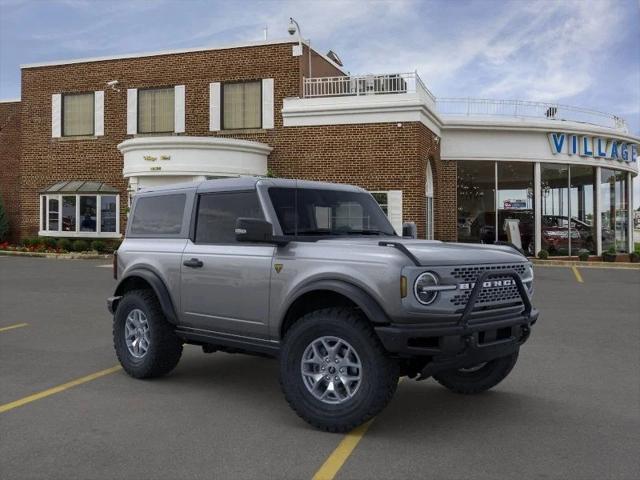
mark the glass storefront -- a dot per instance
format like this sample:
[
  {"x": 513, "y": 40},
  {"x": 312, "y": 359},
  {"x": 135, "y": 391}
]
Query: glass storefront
[
  {"x": 614, "y": 210},
  {"x": 516, "y": 202},
  {"x": 490, "y": 193},
  {"x": 476, "y": 201}
]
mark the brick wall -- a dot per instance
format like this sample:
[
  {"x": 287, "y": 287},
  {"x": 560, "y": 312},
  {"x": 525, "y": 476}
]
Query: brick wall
[{"x": 10, "y": 163}]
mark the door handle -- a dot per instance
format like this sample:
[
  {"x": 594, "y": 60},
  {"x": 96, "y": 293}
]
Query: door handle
[{"x": 193, "y": 263}]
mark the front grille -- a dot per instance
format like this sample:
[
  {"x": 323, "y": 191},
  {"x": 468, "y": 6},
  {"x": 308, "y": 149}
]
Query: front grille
[
  {"x": 469, "y": 274},
  {"x": 498, "y": 295},
  {"x": 507, "y": 294}
]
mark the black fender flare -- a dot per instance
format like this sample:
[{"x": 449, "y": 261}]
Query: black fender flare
[
  {"x": 158, "y": 286},
  {"x": 363, "y": 300}
]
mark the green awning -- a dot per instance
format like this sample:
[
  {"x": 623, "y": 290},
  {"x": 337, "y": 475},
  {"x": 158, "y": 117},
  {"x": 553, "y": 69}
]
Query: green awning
[{"x": 80, "y": 186}]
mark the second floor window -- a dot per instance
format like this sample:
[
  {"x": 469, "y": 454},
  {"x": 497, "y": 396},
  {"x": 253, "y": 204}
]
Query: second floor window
[
  {"x": 242, "y": 105},
  {"x": 156, "y": 110},
  {"x": 77, "y": 114}
]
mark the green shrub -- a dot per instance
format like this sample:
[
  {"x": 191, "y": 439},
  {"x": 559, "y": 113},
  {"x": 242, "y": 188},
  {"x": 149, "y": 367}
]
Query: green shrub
[
  {"x": 610, "y": 254},
  {"x": 48, "y": 242},
  {"x": 583, "y": 254},
  {"x": 98, "y": 246},
  {"x": 64, "y": 244},
  {"x": 80, "y": 246},
  {"x": 634, "y": 257},
  {"x": 113, "y": 246},
  {"x": 4, "y": 222},
  {"x": 543, "y": 254},
  {"x": 30, "y": 242}
]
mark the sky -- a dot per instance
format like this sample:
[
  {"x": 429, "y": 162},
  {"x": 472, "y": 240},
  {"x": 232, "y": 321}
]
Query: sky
[{"x": 577, "y": 52}]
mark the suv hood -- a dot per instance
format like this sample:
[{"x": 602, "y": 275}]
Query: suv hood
[{"x": 433, "y": 252}]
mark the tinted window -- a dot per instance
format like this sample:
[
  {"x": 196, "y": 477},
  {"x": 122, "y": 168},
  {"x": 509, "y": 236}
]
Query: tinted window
[
  {"x": 159, "y": 215},
  {"x": 308, "y": 211},
  {"x": 218, "y": 212}
]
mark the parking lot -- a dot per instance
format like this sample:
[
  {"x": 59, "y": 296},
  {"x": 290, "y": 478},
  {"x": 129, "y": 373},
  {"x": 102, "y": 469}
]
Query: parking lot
[{"x": 570, "y": 409}]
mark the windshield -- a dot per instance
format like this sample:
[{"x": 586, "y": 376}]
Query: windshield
[{"x": 311, "y": 212}]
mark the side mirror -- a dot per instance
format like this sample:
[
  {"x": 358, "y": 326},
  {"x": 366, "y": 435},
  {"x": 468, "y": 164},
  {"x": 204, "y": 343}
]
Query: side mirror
[{"x": 409, "y": 230}]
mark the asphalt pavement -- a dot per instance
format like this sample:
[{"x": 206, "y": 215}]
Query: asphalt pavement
[{"x": 569, "y": 410}]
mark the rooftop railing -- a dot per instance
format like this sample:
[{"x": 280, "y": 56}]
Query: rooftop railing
[
  {"x": 356, "y": 85},
  {"x": 478, "y": 107},
  {"x": 399, "y": 83}
]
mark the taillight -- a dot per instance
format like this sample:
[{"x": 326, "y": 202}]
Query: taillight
[{"x": 115, "y": 265}]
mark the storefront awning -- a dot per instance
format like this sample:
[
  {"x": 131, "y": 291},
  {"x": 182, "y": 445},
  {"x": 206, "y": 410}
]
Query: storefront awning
[{"x": 80, "y": 186}]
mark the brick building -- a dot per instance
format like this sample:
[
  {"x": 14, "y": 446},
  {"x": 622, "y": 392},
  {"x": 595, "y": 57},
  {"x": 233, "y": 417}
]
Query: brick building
[{"x": 86, "y": 134}]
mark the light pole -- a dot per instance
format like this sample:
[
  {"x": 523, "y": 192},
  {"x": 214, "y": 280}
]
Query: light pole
[{"x": 293, "y": 28}]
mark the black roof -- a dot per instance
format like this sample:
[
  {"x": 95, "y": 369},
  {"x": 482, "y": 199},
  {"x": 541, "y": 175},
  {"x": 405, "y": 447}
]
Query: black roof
[{"x": 80, "y": 186}]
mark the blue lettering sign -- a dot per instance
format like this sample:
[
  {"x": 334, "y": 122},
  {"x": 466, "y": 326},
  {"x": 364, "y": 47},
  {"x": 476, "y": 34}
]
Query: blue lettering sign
[
  {"x": 634, "y": 153},
  {"x": 601, "y": 150},
  {"x": 624, "y": 153},
  {"x": 557, "y": 142},
  {"x": 573, "y": 147},
  {"x": 586, "y": 149},
  {"x": 614, "y": 150}
]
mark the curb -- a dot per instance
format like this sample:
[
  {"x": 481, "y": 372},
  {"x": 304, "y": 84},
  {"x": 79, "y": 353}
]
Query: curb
[
  {"x": 58, "y": 256},
  {"x": 573, "y": 263}
]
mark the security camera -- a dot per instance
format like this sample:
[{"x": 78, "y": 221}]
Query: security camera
[
  {"x": 292, "y": 27},
  {"x": 112, "y": 83}
]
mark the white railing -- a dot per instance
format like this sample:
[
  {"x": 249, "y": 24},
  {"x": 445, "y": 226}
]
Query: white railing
[
  {"x": 356, "y": 85},
  {"x": 521, "y": 108}
]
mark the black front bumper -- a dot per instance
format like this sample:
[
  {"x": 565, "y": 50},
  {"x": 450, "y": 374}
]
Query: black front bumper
[{"x": 474, "y": 338}]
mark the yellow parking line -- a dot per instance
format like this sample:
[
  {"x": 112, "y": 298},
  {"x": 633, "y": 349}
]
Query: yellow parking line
[
  {"x": 60, "y": 388},
  {"x": 11, "y": 327},
  {"x": 333, "y": 464},
  {"x": 577, "y": 274}
]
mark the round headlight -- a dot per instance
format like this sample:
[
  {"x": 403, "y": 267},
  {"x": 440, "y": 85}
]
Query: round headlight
[{"x": 423, "y": 288}]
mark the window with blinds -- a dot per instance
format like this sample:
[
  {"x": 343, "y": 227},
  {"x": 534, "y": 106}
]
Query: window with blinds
[
  {"x": 241, "y": 105},
  {"x": 156, "y": 110},
  {"x": 77, "y": 114}
]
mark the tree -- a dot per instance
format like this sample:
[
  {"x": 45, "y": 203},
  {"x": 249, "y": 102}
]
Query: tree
[{"x": 4, "y": 222}]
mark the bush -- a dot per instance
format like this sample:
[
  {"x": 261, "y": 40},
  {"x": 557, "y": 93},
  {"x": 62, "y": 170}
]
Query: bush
[
  {"x": 98, "y": 246},
  {"x": 610, "y": 254},
  {"x": 113, "y": 246},
  {"x": 4, "y": 223},
  {"x": 583, "y": 254},
  {"x": 48, "y": 242},
  {"x": 80, "y": 246},
  {"x": 543, "y": 254},
  {"x": 30, "y": 242},
  {"x": 64, "y": 244},
  {"x": 634, "y": 257}
]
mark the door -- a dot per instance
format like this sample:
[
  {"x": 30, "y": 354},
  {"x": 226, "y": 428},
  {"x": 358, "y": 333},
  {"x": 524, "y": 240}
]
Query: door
[{"x": 225, "y": 284}]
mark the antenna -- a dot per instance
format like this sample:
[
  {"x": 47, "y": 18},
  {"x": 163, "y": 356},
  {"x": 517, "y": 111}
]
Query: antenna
[{"x": 266, "y": 32}]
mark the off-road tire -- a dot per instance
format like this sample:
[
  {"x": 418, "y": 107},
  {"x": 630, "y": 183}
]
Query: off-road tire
[
  {"x": 379, "y": 371},
  {"x": 480, "y": 380},
  {"x": 165, "y": 347}
]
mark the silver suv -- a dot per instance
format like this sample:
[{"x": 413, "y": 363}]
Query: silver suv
[{"x": 314, "y": 274}]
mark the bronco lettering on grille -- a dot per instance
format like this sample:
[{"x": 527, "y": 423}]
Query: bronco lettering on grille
[{"x": 488, "y": 284}]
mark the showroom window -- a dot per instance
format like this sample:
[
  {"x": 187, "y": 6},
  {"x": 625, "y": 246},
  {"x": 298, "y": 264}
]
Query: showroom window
[
  {"x": 79, "y": 209},
  {"x": 515, "y": 202},
  {"x": 156, "y": 112},
  {"x": 477, "y": 201},
  {"x": 242, "y": 105},
  {"x": 78, "y": 114},
  {"x": 614, "y": 210}
]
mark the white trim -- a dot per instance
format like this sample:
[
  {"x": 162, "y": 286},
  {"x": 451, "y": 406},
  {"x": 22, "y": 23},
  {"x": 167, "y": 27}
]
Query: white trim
[
  {"x": 98, "y": 113},
  {"x": 429, "y": 204},
  {"x": 214, "y": 107},
  {"x": 268, "y": 119},
  {"x": 396, "y": 108},
  {"x": 56, "y": 115},
  {"x": 394, "y": 209},
  {"x": 598, "y": 210},
  {"x": 10, "y": 100},
  {"x": 92, "y": 235},
  {"x": 537, "y": 207},
  {"x": 178, "y": 108},
  {"x": 132, "y": 111},
  {"x": 630, "y": 211},
  {"x": 157, "y": 53}
]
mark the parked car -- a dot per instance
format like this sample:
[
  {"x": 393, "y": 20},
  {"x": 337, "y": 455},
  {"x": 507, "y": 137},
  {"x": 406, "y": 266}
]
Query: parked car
[{"x": 314, "y": 274}]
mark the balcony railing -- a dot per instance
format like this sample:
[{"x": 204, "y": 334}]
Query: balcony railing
[
  {"x": 520, "y": 108},
  {"x": 356, "y": 85}
]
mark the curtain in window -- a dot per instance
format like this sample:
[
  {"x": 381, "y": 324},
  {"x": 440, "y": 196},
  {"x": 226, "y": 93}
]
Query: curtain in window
[
  {"x": 156, "y": 110},
  {"x": 77, "y": 114},
  {"x": 242, "y": 105}
]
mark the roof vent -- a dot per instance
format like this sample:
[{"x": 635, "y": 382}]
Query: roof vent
[{"x": 333, "y": 56}]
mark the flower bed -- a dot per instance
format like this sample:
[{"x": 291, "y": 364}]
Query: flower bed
[{"x": 62, "y": 245}]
